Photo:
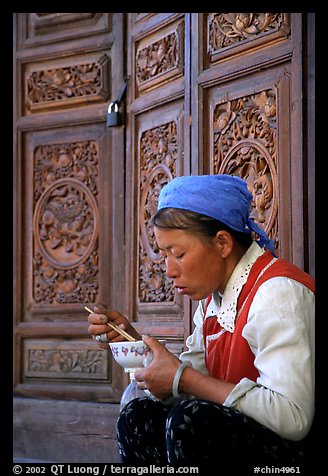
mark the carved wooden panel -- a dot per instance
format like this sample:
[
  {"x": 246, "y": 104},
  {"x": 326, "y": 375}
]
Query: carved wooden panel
[
  {"x": 156, "y": 136},
  {"x": 159, "y": 57},
  {"x": 45, "y": 22},
  {"x": 69, "y": 84},
  {"x": 66, "y": 216},
  {"x": 44, "y": 28},
  {"x": 68, "y": 212},
  {"x": 232, "y": 33},
  {"x": 254, "y": 62},
  {"x": 158, "y": 155},
  {"x": 244, "y": 144},
  {"x": 160, "y": 158},
  {"x": 67, "y": 254},
  {"x": 249, "y": 138},
  {"x": 64, "y": 360}
]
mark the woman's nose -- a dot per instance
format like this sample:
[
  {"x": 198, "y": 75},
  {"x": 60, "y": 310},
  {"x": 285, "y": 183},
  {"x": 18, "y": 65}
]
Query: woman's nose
[{"x": 171, "y": 268}]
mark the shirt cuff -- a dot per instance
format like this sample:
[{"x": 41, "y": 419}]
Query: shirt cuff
[{"x": 244, "y": 386}]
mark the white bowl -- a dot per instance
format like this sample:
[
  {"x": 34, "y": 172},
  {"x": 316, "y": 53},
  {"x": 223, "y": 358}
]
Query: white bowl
[{"x": 132, "y": 355}]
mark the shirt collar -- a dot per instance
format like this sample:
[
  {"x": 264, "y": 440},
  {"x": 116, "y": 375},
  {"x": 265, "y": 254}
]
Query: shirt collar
[{"x": 224, "y": 306}]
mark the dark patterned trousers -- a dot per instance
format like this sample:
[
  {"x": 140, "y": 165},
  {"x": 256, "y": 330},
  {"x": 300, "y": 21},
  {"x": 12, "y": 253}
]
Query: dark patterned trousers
[{"x": 198, "y": 432}]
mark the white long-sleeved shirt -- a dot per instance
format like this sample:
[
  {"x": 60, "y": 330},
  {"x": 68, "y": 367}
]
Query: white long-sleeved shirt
[{"x": 280, "y": 332}]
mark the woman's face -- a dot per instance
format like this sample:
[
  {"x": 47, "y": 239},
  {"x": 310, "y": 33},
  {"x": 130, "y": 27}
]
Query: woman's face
[{"x": 193, "y": 261}]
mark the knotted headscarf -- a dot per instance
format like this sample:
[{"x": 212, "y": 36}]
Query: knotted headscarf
[{"x": 223, "y": 197}]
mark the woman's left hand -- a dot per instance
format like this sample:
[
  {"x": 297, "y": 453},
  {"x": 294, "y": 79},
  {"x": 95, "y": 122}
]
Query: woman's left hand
[{"x": 158, "y": 375}]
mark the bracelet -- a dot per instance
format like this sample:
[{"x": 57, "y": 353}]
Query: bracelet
[{"x": 177, "y": 376}]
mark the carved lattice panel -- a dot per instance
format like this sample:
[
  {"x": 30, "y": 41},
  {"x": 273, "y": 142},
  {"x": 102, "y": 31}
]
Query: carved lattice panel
[
  {"x": 244, "y": 144},
  {"x": 232, "y": 33},
  {"x": 64, "y": 360},
  {"x": 156, "y": 136},
  {"x": 160, "y": 159},
  {"x": 160, "y": 57},
  {"x": 158, "y": 155},
  {"x": 66, "y": 260},
  {"x": 66, "y": 216},
  {"x": 69, "y": 84}
]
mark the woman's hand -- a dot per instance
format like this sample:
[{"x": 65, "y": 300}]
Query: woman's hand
[
  {"x": 158, "y": 375},
  {"x": 98, "y": 319}
]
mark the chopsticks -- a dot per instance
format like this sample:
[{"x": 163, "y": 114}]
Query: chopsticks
[{"x": 116, "y": 328}]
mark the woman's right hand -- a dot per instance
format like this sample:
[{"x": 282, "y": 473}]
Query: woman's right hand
[{"x": 98, "y": 319}]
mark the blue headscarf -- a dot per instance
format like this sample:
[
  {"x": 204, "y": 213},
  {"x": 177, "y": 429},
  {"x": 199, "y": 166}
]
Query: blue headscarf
[{"x": 223, "y": 197}]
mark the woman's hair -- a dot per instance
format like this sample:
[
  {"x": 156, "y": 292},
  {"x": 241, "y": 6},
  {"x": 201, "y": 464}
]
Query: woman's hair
[{"x": 197, "y": 223}]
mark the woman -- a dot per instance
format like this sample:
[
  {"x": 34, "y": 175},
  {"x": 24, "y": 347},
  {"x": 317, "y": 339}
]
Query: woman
[{"x": 244, "y": 388}]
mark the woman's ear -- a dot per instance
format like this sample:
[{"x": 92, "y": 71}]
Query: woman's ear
[{"x": 224, "y": 242}]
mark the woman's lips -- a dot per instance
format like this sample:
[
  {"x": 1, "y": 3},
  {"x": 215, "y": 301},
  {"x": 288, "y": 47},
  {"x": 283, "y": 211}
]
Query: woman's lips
[{"x": 181, "y": 289}]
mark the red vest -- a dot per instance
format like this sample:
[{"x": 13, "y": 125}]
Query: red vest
[{"x": 229, "y": 357}]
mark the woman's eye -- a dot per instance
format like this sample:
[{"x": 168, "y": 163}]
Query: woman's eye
[{"x": 180, "y": 256}]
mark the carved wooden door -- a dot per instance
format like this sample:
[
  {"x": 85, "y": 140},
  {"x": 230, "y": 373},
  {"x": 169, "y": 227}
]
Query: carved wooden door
[
  {"x": 213, "y": 93},
  {"x": 69, "y": 200},
  {"x": 208, "y": 93}
]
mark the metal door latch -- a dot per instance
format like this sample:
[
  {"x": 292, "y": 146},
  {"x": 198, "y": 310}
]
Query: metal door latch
[{"x": 114, "y": 116}]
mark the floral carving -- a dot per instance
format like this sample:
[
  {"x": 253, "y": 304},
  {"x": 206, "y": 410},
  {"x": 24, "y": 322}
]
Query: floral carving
[
  {"x": 225, "y": 29},
  {"x": 75, "y": 285},
  {"x": 158, "y": 152},
  {"x": 67, "y": 84},
  {"x": 62, "y": 363},
  {"x": 244, "y": 144},
  {"x": 164, "y": 58},
  {"x": 77, "y": 160},
  {"x": 65, "y": 264},
  {"x": 65, "y": 223}
]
